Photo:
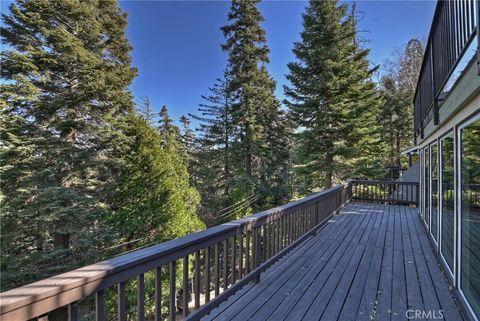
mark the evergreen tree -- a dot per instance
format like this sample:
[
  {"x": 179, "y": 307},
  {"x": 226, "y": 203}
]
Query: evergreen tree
[
  {"x": 166, "y": 126},
  {"x": 189, "y": 149},
  {"x": 256, "y": 112},
  {"x": 145, "y": 109},
  {"x": 332, "y": 99},
  {"x": 213, "y": 153},
  {"x": 154, "y": 200},
  {"x": 398, "y": 88},
  {"x": 64, "y": 100}
]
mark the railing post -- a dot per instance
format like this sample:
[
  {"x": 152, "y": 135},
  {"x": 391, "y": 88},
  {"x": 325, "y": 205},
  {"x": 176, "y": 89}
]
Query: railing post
[
  {"x": 256, "y": 253},
  {"x": 417, "y": 200}
]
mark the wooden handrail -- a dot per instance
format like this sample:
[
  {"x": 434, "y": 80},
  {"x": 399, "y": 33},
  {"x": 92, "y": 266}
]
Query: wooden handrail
[{"x": 265, "y": 234}]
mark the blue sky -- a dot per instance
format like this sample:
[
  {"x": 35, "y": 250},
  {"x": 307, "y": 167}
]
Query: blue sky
[{"x": 177, "y": 43}]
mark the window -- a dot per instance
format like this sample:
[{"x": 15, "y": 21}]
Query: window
[
  {"x": 434, "y": 189},
  {"x": 426, "y": 198},
  {"x": 470, "y": 213},
  {"x": 447, "y": 194}
]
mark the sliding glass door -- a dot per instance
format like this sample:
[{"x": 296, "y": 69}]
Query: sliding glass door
[
  {"x": 434, "y": 189},
  {"x": 447, "y": 195},
  {"x": 469, "y": 147}
]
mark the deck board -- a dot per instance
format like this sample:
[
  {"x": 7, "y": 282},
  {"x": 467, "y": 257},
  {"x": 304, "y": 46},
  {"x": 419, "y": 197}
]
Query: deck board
[{"x": 370, "y": 262}]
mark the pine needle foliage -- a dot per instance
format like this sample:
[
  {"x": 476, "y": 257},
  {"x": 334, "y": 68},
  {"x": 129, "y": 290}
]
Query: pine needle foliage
[
  {"x": 64, "y": 99},
  {"x": 332, "y": 100}
]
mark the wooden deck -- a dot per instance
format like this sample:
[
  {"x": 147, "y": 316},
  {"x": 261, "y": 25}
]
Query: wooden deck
[{"x": 370, "y": 262}]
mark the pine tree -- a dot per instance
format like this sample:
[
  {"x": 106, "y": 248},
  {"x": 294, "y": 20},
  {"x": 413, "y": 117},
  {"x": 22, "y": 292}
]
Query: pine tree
[
  {"x": 213, "y": 153},
  {"x": 255, "y": 109},
  {"x": 145, "y": 108},
  {"x": 166, "y": 126},
  {"x": 64, "y": 100},
  {"x": 189, "y": 148},
  {"x": 187, "y": 134},
  {"x": 154, "y": 201},
  {"x": 332, "y": 99},
  {"x": 398, "y": 89}
]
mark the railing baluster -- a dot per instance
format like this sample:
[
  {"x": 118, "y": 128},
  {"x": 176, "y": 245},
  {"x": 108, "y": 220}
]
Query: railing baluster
[
  {"x": 234, "y": 258},
  {"x": 296, "y": 225},
  {"x": 290, "y": 227},
  {"x": 140, "y": 297},
  {"x": 73, "y": 311},
  {"x": 299, "y": 223},
  {"x": 99, "y": 306},
  {"x": 197, "y": 277},
  {"x": 266, "y": 241},
  {"x": 410, "y": 198},
  {"x": 122, "y": 302},
  {"x": 279, "y": 233},
  {"x": 217, "y": 269},
  {"x": 247, "y": 252},
  {"x": 185, "y": 286},
  {"x": 240, "y": 255},
  {"x": 158, "y": 294},
  {"x": 225, "y": 264},
  {"x": 313, "y": 211},
  {"x": 172, "y": 303},
  {"x": 275, "y": 235},
  {"x": 304, "y": 221},
  {"x": 256, "y": 247},
  {"x": 208, "y": 276},
  {"x": 272, "y": 239},
  {"x": 263, "y": 243},
  {"x": 293, "y": 228}
]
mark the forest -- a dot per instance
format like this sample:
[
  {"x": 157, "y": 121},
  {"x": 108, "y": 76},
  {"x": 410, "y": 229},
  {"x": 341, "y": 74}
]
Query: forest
[{"x": 88, "y": 173}]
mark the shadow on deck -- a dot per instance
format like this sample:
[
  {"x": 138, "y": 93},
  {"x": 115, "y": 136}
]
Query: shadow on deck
[{"x": 370, "y": 262}]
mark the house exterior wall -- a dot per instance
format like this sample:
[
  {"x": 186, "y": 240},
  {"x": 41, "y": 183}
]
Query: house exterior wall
[{"x": 450, "y": 196}]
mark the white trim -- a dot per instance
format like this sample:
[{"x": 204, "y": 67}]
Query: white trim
[
  {"x": 430, "y": 192},
  {"x": 467, "y": 304},
  {"x": 411, "y": 150},
  {"x": 426, "y": 168},
  {"x": 440, "y": 203},
  {"x": 459, "y": 211}
]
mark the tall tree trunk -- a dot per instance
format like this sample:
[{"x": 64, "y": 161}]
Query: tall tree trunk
[
  {"x": 60, "y": 240},
  {"x": 226, "y": 170},
  {"x": 328, "y": 170},
  {"x": 226, "y": 156},
  {"x": 248, "y": 162},
  {"x": 392, "y": 147},
  {"x": 397, "y": 150},
  {"x": 248, "y": 152}
]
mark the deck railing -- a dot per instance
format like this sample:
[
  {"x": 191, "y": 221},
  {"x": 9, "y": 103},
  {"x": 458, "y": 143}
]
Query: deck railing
[
  {"x": 453, "y": 28},
  {"x": 224, "y": 258},
  {"x": 386, "y": 192}
]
